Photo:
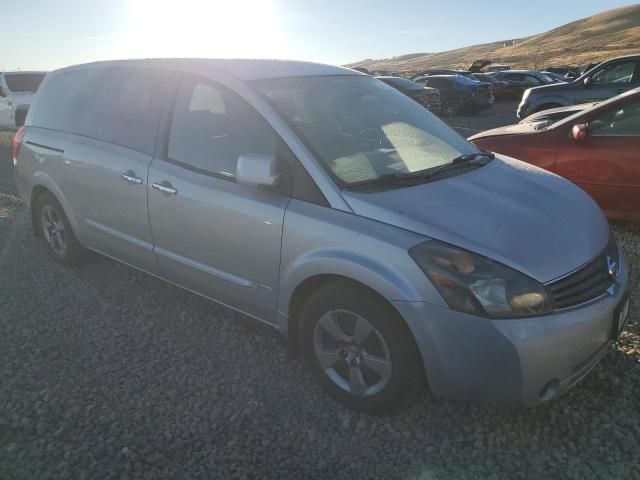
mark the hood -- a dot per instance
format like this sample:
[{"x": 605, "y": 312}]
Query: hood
[
  {"x": 517, "y": 129},
  {"x": 546, "y": 89},
  {"x": 557, "y": 113},
  {"x": 527, "y": 218}
]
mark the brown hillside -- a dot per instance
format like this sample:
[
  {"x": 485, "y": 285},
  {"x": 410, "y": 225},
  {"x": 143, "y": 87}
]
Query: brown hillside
[{"x": 596, "y": 38}]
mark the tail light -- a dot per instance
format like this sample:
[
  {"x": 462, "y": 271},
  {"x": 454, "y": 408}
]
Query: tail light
[{"x": 17, "y": 143}]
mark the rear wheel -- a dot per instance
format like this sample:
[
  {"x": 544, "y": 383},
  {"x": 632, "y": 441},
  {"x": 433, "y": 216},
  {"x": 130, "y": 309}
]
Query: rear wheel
[
  {"x": 359, "y": 348},
  {"x": 55, "y": 230}
]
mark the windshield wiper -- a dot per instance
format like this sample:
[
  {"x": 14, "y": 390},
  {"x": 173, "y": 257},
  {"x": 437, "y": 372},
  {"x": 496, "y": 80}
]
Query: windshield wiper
[
  {"x": 459, "y": 162},
  {"x": 422, "y": 175},
  {"x": 386, "y": 179}
]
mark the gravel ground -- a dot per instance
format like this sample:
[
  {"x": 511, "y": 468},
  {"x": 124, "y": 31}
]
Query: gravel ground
[{"x": 108, "y": 373}]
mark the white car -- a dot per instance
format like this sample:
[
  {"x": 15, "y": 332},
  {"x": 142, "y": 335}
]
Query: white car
[{"x": 17, "y": 90}]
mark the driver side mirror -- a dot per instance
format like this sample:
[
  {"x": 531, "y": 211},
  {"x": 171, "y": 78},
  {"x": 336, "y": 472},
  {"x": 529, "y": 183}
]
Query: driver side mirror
[
  {"x": 257, "y": 169},
  {"x": 588, "y": 82},
  {"x": 580, "y": 132},
  {"x": 2, "y": 94}
]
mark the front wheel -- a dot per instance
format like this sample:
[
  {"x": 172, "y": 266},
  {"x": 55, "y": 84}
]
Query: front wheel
[{"x": 359, "y": 348}]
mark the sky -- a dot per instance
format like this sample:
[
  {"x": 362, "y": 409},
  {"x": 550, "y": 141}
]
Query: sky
[{"x": 48, "y": 34}]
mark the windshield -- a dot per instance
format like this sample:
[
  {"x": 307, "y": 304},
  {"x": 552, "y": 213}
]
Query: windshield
[
  {"x": 24, "y": 82},
  {"x": 546, "y": 77},
  {"x": 362, "y": 129},
  {"x": 466, "y": 80}
]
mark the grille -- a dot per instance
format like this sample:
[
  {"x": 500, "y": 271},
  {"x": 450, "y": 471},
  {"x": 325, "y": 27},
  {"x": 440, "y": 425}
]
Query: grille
[
  {"x": 587, "y": 283},
  {"x": 483, "y": 92}
]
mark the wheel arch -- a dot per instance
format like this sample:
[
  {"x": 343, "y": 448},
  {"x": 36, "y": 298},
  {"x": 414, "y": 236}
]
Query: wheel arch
[
  {"x": 43, "y": 183},
  {"x": 305, "y": 289}
]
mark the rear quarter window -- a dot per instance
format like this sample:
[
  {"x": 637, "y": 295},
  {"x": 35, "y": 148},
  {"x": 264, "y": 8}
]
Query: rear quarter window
[{"x": 119, "y": 105}]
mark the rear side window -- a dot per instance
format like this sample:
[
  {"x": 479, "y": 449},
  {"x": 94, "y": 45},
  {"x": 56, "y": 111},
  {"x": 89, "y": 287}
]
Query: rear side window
[
  {"x": 212, "y": 127},
  {"x": 23, "y": 82},
  {"x": 116, "y": 105}
]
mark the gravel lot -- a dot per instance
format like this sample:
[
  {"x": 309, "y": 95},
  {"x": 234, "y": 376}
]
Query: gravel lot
[{"x": 108, "y": 373}]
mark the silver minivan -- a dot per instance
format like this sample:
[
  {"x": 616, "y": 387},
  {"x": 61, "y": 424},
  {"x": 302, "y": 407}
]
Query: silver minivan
[{"x": 391, "y": 252}]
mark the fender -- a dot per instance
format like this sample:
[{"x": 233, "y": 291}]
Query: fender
[{"x": 381, "y": 277}]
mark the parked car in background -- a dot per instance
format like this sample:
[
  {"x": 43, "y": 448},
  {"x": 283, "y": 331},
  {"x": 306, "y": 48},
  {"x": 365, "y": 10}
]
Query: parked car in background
[
  {"x": 498, "y": 68},
  {"x": 426, "y": 96},
  {"x": 590, "y": 67},
  {"x": 566, "y": 72},
  {"x": 318, "y": 200},
  {"x": 554, "y": 114},
  {"x": 501, "y": 90},
  {"x": 443, "y": 71},
  {"x": 460, "y": 94},
  {"x": 16, "y": 94},
  {"x": 555, "y": 76},
  {"x": 596, "y": 148},
  {"x": 525, "y": 78},
  {"x": 604, "y": 81}
]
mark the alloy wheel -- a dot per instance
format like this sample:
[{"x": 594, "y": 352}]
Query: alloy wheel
[
  {"x": 352, "y": 353},
  {"x": 53, "y": 230}
]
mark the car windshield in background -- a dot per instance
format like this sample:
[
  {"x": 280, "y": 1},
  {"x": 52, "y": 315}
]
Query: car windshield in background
[
  {"x": 546, "y": 77},
  {"x": 403, "y": 83},
  {"x": 362, "y": 129},
  {"x": 485, "y": 77},
  {"x": 466, "y": 80},
  {"x": 24, "y": 82}
]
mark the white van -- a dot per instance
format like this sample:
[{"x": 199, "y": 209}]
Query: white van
[{"x": 17, "y": 90}]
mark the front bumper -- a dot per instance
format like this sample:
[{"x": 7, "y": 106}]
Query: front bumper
[
  {"x": 524, "y": 110},
  {"x": 511, "y": 362}
]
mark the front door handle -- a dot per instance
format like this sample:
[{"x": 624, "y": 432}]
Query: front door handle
[
  {"x": 130, "y": 177},
  {"x": 165, "y": 187}
]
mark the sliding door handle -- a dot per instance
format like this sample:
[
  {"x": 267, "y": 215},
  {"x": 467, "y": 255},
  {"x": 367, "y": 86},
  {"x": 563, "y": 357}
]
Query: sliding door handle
[
  {"x": 130, "y": 177},
  {"x": 165, "y": 187}
]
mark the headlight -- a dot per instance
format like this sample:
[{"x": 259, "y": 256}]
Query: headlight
[{"x": 474, "y": 284}]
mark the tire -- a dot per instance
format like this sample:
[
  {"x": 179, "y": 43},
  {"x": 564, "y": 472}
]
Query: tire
[
  {"x": 450, "y": 108},
  {"x": 55, "y": 230},
  {"x": 375, "y": 366}
]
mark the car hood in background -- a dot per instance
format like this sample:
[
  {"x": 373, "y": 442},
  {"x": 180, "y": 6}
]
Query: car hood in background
[
  {"x": 552, "y": 88},
  {"x": 557, "y": 113},
  {"x": 510, "y": 211},
  {"x": 517, "y": 129}
]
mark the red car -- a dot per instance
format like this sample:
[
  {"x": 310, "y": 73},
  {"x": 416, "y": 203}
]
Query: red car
[{"x": 597, "y": 149}]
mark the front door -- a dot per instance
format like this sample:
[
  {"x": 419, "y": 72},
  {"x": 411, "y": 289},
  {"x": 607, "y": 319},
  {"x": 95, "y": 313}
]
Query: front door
[
  {"x": 609, "y": 81},
  {"x": 211, "y": 234},
  {"x": 606, "y": 164}
]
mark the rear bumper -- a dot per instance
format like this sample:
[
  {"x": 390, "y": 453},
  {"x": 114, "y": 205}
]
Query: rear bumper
[{"x": 511, "y": 362}]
